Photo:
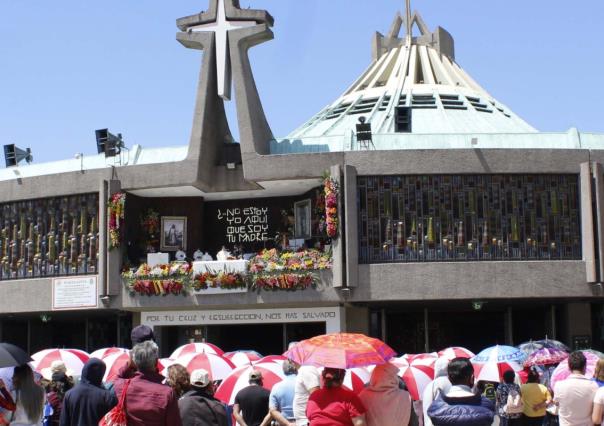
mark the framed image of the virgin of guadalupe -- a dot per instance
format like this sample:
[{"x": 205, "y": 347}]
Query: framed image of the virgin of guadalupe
[
  {"x": 302, "y": 213},
  {"x": 173, "y": 233}
]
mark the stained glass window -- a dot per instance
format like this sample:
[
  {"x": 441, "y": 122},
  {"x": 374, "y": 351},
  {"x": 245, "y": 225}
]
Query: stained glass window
[
  {"x": 49, "y": 237},
  {"x": 468, "y": 218}
]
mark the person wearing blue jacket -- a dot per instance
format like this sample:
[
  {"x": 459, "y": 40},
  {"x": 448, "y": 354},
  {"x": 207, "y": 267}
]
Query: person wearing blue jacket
[{"x": 460, "y": 406}]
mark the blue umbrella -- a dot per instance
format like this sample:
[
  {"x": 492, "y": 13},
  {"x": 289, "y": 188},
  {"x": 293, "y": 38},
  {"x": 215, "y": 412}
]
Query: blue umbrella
[{"x": 501, "y": 353}]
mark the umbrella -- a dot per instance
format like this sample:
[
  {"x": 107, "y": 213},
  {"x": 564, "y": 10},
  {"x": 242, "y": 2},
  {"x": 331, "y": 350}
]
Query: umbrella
[
  {"x": 114, "y": 363},
  {"x": 11, "y": 355},
  {"x": 491, "y": 363},
  {"x": 416, "y": 377},
  {"x": 341, "y": 350},
  {"x": 546, "y": 356},
  {"x": 74, "y": 361},
  {"x": 218, "y": 366},
  {"x": 241, "y": 358},
  {"x": 455, "y": 352},
  {"x": 271, "y": 358},
  {"x": 562, "y": 371},
  {"x": 593, "y": 351},
  {"x": 102, "y": 353},
  {"x": 197, "y": 348},
  {"x": 550, "y": 343},
  {"x": 272, "y": 373}
]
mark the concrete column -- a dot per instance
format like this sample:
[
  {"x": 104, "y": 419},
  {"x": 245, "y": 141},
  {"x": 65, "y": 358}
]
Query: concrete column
[
  {"x": 509, "y": 326},
  {"x": 337, "y": 244},
  {"x": 103, "y": 231},
  {"x": 357, "y": 319},
  {"x": 598, "y": 193},
  {"x": 587, "y": 224},
  {"x": 351, "y": 217},
  {"x": 426, "y": 331},
  {"x": 578, "y": 321},
  {"x": 114, "y": 257}
]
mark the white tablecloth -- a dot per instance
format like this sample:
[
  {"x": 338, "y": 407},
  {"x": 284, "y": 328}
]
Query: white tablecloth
[{"x": 216, "y": 266}]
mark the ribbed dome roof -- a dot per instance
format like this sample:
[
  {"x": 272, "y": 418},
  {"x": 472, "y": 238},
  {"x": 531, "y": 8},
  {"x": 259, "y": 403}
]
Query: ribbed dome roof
[{"x": 419, "y": 73}]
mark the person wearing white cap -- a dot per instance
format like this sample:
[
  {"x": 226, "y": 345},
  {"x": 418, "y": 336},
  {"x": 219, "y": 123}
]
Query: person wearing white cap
[{"x": 198, "y": 407}]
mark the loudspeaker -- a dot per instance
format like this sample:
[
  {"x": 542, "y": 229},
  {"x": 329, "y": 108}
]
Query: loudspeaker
[
  {"x": 14, "y": 155},
  {"x": 108, "y": 143}
]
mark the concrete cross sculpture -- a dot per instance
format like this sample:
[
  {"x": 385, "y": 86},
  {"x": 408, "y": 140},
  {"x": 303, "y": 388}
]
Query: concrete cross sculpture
[{"x": 225, "y": 33}]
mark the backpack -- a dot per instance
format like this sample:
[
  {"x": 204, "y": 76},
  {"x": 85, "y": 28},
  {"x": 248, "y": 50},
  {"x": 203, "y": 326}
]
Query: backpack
[
  {"x": 117, "y": 415},
  {"x": 514, "y": 404}
]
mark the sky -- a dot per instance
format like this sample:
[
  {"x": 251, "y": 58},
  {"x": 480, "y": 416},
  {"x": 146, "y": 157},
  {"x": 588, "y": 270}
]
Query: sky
[{"x": 69, "y": 67}]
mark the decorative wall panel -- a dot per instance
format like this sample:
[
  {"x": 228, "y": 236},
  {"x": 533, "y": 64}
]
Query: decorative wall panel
[
  {"x": 468, "y": 218},
  {"x": 49, "y": 237}
]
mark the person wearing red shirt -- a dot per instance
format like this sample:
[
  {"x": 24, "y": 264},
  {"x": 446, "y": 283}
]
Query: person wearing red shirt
[{"x": 333, "y": 405}]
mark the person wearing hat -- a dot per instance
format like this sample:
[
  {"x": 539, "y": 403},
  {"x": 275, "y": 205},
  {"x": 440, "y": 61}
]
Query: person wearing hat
[
  {"x": 57, "y": 388},
  {"x": 198, "y": 407},
  {"x": 251, "y": 403},
  {"x": 139, "y": 334}
]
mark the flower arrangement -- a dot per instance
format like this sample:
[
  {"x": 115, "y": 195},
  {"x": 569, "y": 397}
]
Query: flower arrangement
[
  {"x": 271, "y": 270},
  {"x": 222, "y": 279},
  {"x": 285, "y": 281},
  {"x": 160, "y": 280},
  {"x": 150, "y": 225},
  {"x": 115, "y": 209},
  {"x": 331, "y": 190}
]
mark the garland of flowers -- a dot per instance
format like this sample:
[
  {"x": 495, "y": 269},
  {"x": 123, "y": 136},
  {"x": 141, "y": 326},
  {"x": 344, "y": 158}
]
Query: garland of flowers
[
  {"x": 331, "y": 190},
  {"x": 115, "y": 209},
  {"x": 285, "y": 281},
  {"x": 223, "y": 279},
  {"x": 291, "y": 271},
  {"x": 160, "y": 280}
]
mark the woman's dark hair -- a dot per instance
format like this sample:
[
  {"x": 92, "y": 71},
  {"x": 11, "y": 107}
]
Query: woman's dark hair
[
  {"x": 333, "y": 377},
  {"x": 533, "y": 375},
  {"x": 178, "y": 379},
  {"x": 508, "y": 377},
  {"x": 577, "y": 361},
  {"x": 460, "y": 371},
  {"x": 30, "y": 394}
]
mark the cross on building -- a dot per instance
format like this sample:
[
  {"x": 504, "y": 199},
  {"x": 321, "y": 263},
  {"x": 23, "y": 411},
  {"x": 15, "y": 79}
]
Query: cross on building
[{"x": 221, "y": 25}]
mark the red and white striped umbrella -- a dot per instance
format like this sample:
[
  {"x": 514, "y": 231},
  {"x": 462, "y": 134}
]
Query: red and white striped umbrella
[
  {"x": 272, "y": 373},
  {"x": 114, "y": 363},
  {"x": 241, "y": 358},
  {"x": 218, "y": 366},
  {"x": 455, "y": 352},
  {"x": 74, "y": 361},
  {"x": 416, "y": 376},
  {"x": 102, "y": 353},
  {"x": 493, "y": 371},
  {"x": 196, "y": 348},
  {"x": 272, "y": 358}
]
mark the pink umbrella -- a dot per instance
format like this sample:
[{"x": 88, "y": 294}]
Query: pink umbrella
[
  {"x": 114, "y": 363},
  {"x": 455, "y": 352},
  {"x": 562, "y": 371},
  {"x": 196, "y": 348},
  {"x": 272, "y": 373},
  {"x": 546, "y": 356},
  {"x": 74, "y": 361},
  {"x": 218, "y": 366},
  {"x": 241, "y": 358},
  {"x": 271, "y": 358},
  {"x": 102, "y": 353}
]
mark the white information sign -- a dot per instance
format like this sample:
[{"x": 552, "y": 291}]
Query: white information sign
[
  {"x": 74, "y": 292},
  {"x": 331, "y": 316}
]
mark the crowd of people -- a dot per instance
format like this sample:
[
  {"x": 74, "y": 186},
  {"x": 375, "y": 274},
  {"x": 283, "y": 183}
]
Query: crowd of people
[{"x": 306, "y": 397}]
